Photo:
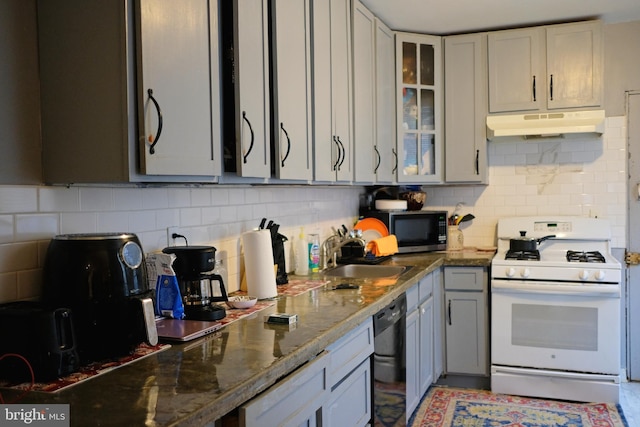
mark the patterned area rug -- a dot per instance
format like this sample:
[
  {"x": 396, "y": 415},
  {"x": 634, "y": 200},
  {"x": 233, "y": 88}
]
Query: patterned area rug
[{"x": 444, "y": 406}]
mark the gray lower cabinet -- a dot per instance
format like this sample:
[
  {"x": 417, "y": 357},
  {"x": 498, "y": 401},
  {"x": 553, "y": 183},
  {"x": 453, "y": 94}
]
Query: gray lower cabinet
[
  {"x": 420, "y": 341},
  {"x": 334, "y": 389},
  {"x": 466, "y": 320},
  {"x": 295, "y": 401}
]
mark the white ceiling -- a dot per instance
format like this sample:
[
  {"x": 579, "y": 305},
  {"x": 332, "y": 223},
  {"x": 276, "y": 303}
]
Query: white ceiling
[{"x": 441, "y": 17}]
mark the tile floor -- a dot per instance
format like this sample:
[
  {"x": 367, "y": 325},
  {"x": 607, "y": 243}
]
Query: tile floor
[{"x": 630, "y": 402}]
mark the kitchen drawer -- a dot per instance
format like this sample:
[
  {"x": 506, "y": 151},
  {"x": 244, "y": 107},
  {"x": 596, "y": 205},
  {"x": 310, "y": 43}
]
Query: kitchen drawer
[
  {"x": 349, "y": 351},
  {"x": 464, "y": 278},
  {"x": 293, "y": 401},
  {"x": 350, "y": 402}
]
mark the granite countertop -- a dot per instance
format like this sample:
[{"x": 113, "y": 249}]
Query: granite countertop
[{"x": 197, "y": 382}]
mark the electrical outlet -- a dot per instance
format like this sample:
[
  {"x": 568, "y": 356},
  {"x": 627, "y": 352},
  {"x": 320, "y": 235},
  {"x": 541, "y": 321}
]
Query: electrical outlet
[{"x": 170, "y": 232}]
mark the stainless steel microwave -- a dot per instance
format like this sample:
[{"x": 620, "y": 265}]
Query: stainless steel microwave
[{"x": 416, "y": 231}]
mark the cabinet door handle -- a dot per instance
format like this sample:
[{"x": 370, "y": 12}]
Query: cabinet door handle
[
  {"x": 152, "y": 149},
  {"x": 344, "y": 153},
  {"x": 551, "y": 87},
  {"x": 449, "y": 312},
  {"x": 335, "y": 165},
  {"x": 395, "y": 155},
  {"x": 246, "y": 154},
  {"x": 288, "y": 143},
  {"x": 375, "y": 170},
  {"x": 534, "y": 88},
  {"x": 477, "y": 162}
]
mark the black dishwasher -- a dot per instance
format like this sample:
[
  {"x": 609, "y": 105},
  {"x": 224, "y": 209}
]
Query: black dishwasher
[{"x": 389, "y": 369}]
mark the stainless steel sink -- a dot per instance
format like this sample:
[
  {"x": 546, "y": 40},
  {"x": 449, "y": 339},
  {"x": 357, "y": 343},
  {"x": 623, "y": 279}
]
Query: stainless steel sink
[{"x": 365, "y": 271}]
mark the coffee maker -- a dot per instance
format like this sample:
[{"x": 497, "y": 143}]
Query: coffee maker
[{"x": 199, "y": 287}]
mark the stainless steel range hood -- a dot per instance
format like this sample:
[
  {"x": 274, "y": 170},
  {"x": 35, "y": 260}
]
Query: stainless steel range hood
[{"x": 547, "y": 124}]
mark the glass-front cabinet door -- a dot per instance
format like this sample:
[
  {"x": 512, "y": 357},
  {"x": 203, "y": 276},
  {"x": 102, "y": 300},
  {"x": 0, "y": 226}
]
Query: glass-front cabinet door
[{"x": 419, "y": 101}]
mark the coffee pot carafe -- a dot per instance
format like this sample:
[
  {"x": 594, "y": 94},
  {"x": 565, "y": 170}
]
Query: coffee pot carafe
[{"x": 199, "y": 286}]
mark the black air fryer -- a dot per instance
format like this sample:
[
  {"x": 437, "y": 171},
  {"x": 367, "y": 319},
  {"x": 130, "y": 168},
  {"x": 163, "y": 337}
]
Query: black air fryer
[{"x": 102, "y": 278}]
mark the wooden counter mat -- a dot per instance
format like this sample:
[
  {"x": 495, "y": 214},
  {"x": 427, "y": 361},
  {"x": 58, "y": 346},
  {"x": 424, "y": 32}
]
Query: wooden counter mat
[{"x": 87, "y": 372}]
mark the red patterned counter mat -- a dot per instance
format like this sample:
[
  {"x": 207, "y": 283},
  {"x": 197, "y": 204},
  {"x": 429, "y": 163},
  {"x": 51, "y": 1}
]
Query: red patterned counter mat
[
  {"x": 294, "y": 287},
  {"x": 90, "y": 371}
]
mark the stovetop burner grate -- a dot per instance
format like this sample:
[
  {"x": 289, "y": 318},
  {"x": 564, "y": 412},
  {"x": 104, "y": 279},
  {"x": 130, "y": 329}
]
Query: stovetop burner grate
[
  {"x": 581, "y": 256},
  {"x": 523, "y": 255}
]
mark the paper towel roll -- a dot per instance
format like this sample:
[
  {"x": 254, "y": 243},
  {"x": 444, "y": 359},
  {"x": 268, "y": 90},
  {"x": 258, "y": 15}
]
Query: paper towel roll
[{"x": 258, "y": 264}]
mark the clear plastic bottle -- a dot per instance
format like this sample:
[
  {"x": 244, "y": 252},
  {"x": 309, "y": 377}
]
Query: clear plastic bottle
[
  {"x": 314, "y": 253},
  {"x": 301, "y": 255},
  {"x": 221, "y": 270}
]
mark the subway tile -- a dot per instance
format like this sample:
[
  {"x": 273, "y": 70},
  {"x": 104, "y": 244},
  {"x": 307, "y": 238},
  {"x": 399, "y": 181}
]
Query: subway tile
[
  {"x": 18, "y": 256},
  {"x": 96, "y": 199},
  {"x": 78, "y": 223},
  {"x": 128, "y": 198},
  {"x": 167, "y": 218},
  {"x": 18, "y": 199},
  {"x": 178, "y": 198},
  {"x": 200, "y": 197},
  {"x": 6, "y": 229},
  {"x": 36, "y": 227},
  {"x": 29, "y": 284},
  {"x": 156, "y": 198},
  {"x": 59, "y": 199},
  {"x": 109, "y": 222},
  {"x": 8, "y": 287},
  {"x": 190, "y": 217}
]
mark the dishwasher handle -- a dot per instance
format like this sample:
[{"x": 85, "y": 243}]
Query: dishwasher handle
[{"x": 388, "y": 316}]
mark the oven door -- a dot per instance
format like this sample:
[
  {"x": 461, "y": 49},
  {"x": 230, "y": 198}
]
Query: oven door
[{"x": 556, "y": 326}]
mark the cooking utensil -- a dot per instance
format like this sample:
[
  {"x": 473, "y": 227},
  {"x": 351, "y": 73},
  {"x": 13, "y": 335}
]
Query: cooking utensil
[
  {"x": 467, "y": 217},
  {"x": 524, "y": 243}
]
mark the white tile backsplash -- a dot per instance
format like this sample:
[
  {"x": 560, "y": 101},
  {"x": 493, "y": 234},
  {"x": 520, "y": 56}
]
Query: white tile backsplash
[
  {"x": 208, "y": 215},
  {"x": 563, "y": 177},
  {"x": 582, "y": 176}
]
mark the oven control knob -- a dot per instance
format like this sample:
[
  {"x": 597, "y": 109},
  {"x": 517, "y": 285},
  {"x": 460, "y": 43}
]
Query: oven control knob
[
  {"x": 525, "y": 273},
  {"x": 584, "y": 275},
  {"x": 600, "y": 275},
  {"x": 510, "y": 272}
]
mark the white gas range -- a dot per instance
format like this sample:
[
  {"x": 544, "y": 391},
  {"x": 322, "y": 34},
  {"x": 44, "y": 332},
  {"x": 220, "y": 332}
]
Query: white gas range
[{"x": 555, "y": 309}]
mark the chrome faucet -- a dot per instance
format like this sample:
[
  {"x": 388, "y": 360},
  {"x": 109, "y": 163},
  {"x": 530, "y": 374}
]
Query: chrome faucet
[{"x": 329, "y": 249}]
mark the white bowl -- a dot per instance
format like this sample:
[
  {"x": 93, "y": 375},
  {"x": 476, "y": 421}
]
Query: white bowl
[
  {"x": 391, "y": 205},
  {"x": 242, "y": 301}
]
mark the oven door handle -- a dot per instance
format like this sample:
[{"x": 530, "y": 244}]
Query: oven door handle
[{"x": 607, "y": 291}]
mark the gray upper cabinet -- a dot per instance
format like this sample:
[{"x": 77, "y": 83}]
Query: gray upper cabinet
[
  {"x": 291, "y": 91},
  {"x": 20, "y": 162},
  {"x": 419, "y": 105},
  {"x": 385, "y": 145},
  {"x": 552, "y": 67},
  {"x": 246, "y": 97},
  {"x": 332, "y": 91},
  {"x": 465, "y": 108},
  {"x": 130, "y": 91},
  {"x": 364, "y": 87}
]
